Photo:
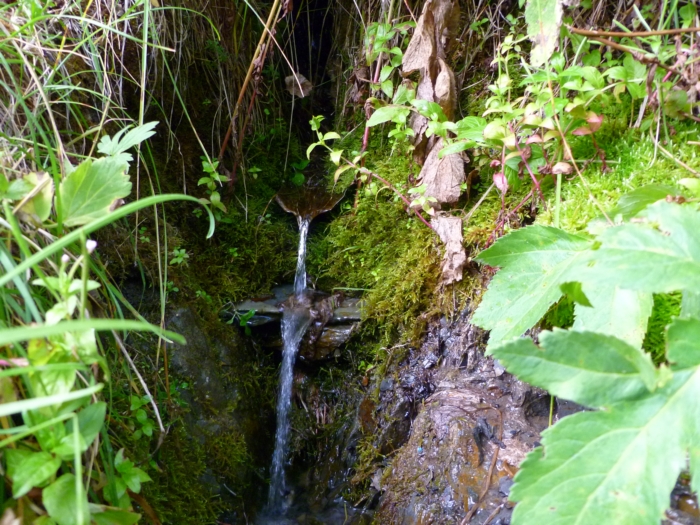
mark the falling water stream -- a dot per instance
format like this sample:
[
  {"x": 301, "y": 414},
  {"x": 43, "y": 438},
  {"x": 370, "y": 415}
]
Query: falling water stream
[{"x": 294, "y": 323}]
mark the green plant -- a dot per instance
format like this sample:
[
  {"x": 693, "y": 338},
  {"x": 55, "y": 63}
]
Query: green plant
[
  {"x": 142, "y": 235},
  {"x": 201, "y": 294},
  {"x": 49, "y": 335},
  {"x": 211, "y": 180},
  {"x": 180, "y": 256},
  {"x": 146, "y": 423},
  {"x": 599, "y": 361}
]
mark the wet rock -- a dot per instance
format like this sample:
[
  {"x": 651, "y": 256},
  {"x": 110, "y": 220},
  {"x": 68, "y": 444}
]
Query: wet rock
[
  {"x": 217, "y": 408},
  {"x": 330, "y": 340},
  {"x": 386, "y": 384},
  {"x": 474, "y": 425}
]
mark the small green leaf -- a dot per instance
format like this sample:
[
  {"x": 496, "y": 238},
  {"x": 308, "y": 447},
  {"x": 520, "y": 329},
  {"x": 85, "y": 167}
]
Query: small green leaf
[
  {"x": 331, "y": 135},
  {"x": 387, "y": 113},
  {"x": 340, "y": 171},
  {"x": 33, "y": 471},
  {"x": 385, "y": 73},
  {"x": 335, "y": 156},
  {"x": 18, "y": 189},
  {"x": 66, "y": 447},
  {"x": 456, "y": 147},
  {"x": 61, "y": 503},
  {"x": 693, "y": 185},
  {"x": 117, "y": 145},
  {"x": 116, "y": 517}
]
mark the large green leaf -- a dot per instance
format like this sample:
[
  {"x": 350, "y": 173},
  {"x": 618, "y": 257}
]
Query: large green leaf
[
  {"x": 532, "y": 260},
  {"x": 92, "y": 188},
  {"x": 613, "y": 311},
  {"x": 33, "y": 471},
  {"x": 64, "y": 503},
  {"x": 593, "y": 369},
  {"x": 620, "y": 464},
  {"x": 543, "y": 19},
  {"x": 659, "y": 253}
]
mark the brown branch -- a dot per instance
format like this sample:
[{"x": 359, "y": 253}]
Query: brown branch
[
  {"x": 661, "y": 32},
  {"x": 636, "y": 54},
  {"x": 266, "y": 32}
]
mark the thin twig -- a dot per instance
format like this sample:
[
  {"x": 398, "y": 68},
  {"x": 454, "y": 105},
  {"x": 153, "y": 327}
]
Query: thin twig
[
  {"x": 674, "y": 159},
  {"x": 143, "y": 383},
  {"x": 661, "y": 32}
]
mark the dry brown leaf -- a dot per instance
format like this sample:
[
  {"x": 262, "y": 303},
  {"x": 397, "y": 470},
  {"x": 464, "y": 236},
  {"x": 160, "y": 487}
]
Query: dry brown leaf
[
  {"x": 421, "y": 51},
  {"x": 298, "y": 86},
  {"x": 442, "y": 176},
  {"x": 446, "y": 89},
  {"x": 562, "y": 168},
  {"x": 449, "y": 229}
]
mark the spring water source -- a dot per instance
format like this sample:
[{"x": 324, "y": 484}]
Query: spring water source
[{"x": 295, "y": 320}]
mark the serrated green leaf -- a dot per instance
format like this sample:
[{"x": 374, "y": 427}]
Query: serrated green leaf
[
  {"x": 543, "y": 19},
  {"x": 34, "y": 470},
  {"x": 387, "y": 113},
  {"x": 660, "y": 253},
  {"x": 88, "y": 193},
  {"x": 116, "y": 145},
  {"x": 61, "y": 503},
  {"x": 630, "y": 204},
  {"x": 595, "y": 370},
  {"x": 618, "y": 465},
  {"x": 575, "y": 292},
  {"x": 532, "y": 261},
  {"x": 614, "y": 311}
]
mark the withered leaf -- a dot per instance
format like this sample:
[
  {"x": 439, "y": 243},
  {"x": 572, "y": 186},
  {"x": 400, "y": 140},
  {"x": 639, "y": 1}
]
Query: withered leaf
[
  {"x": 421, "y": 50},
  {"x": 449, "y": 229},
  {"x": 446, "y": 89},
  {"x": 298, "y": 85},
  {"x": 442, "y": 177}
]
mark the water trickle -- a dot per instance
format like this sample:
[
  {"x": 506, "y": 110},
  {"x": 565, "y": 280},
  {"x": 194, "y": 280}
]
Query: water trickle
[
  {"x": 300, "y": 277},
  {"x": 295, "y": 320}
]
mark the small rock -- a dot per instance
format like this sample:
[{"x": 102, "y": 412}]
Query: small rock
[
  {"x": 386, "y": 384},
  {"x": 498, "y": 368},
  {"x": 504, "y": 485}
]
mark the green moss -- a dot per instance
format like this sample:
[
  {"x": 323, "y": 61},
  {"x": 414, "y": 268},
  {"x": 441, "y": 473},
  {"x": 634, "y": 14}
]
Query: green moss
[
  {"x": 177, "y": 493},
  {"x": 666, "y": 307},
  {"x": 633, "y": 160},
  {"x": 379, "y": 249}
]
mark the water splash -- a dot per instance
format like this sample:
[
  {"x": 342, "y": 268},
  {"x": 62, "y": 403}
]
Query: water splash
[{"x": 295, "y": 320}]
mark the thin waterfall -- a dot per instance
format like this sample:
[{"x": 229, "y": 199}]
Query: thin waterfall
[
  {"x": 300, "y": 277},
  {"x": 295, "y": 320}
]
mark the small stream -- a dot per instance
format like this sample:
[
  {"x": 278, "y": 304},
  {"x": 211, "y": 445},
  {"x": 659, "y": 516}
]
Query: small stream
[{"x": 295, "y": 321}]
